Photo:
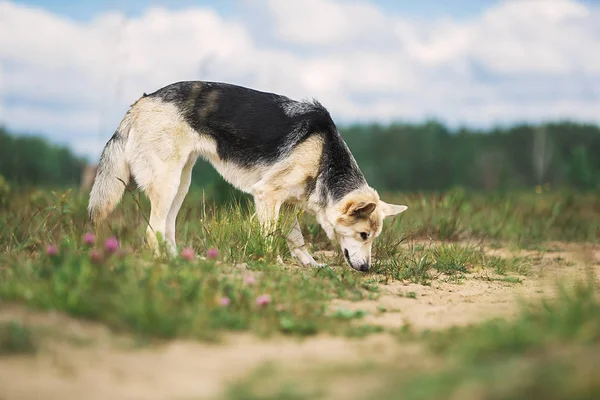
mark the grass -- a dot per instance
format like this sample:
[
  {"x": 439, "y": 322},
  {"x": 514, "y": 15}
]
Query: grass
[
  {"x": 182, "y": 299},
  {"x": 450, "y": 261},
  {"x": 133, "y": 292},
  {"x": 526, "y": 219},
  {"x": 15, "y": 338}
]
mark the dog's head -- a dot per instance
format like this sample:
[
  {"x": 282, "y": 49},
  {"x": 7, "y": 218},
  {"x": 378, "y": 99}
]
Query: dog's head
[{"x": 356, "y": 220}]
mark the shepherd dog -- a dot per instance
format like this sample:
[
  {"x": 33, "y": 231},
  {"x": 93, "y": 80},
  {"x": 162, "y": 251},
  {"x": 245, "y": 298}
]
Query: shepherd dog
[{"x": 278, "y": 150}]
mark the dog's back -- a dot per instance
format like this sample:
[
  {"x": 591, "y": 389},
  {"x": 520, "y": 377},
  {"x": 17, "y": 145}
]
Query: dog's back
[{"x": 248, "y": 126}]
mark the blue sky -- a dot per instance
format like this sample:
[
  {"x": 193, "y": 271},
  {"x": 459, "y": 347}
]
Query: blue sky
[
  {"x": 69, "y": 70},
  {"x": 86, "y": 10}
]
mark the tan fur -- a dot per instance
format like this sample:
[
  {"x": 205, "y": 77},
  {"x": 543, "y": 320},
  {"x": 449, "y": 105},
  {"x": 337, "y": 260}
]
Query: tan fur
[
  {"x": 286, "y": 180},
  {"x": 348, "y": 205}
]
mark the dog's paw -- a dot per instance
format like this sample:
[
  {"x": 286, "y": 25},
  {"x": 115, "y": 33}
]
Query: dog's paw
[
  {"x": 315, "y": 264},
  {"x": 303, "y": 257}
]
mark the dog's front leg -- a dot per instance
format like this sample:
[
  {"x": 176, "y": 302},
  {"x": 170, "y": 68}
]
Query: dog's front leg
[
  {"x": 297, "y": 247},
  {"x": 267, "y": 212}
]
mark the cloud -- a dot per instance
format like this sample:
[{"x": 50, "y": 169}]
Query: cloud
[
  {"x": 517, "y": 61},
  {"x": 327, "y": 22}
]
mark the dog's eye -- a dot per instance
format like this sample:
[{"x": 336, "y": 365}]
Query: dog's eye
[{"x": 364, "y": 235}]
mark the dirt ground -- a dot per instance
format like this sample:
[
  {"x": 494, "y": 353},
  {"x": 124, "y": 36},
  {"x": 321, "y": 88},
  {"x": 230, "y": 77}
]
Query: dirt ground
[{"x": 83, "y": 360}]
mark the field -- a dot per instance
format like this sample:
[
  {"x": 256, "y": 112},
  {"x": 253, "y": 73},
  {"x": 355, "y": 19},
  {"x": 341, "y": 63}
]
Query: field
[{"x": 471, "y": 296}]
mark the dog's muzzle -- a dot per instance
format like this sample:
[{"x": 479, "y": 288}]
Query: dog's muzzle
[{"x": 362, "y": 268}]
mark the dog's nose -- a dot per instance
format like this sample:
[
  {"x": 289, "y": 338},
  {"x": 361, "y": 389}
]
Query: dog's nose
[{"x": 364, "y": 268}]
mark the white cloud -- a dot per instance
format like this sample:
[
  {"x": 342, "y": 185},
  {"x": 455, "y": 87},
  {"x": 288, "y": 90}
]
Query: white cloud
[
  {"x": 327, "y": 22},
  {"x": 518, "y": 61}
]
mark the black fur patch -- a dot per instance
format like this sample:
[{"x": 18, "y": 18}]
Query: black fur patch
[
  {"x": 338, "y": 169},
  {"x": 310, "y": 186},
  {"x": 252, "y": 127}
]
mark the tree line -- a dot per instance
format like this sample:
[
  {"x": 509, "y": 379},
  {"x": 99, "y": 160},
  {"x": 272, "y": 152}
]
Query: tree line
[
  {"x": 406, "y": 157},
  {"x": 32, "y": 160}
]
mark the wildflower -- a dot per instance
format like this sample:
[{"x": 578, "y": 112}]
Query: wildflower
[
  {"x": 111, "y": 245},
  {"x": 225, "y": 301},
  {"x": 188, "y": 254},
  {"x": 89, "y": 239},
  {"x": 51, "y": 250},
  {"x": 95, "y": 256},
  {"x": 250, "y": 280},
  {"x": 263, "y": 300},
  {"x": 212, "y": 253}
]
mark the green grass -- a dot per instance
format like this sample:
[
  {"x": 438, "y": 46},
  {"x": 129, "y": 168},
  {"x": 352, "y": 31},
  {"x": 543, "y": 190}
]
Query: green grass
[
  {"x": 424, "y": 263},
  {"x": 165, "y": 298},
  {"x": 526, "y": 219},
  {"x": 131, "y": 291},
  {"x": 181, "y": 299},
  {"x": 15, "y": 338}
]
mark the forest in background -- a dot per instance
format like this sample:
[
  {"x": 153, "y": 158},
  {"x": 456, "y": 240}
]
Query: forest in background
[{"x": 396, "y": 157}]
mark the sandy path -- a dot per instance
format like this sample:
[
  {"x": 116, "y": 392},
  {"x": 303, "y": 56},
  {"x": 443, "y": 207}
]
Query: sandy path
[{"x": 110, "y": 366}]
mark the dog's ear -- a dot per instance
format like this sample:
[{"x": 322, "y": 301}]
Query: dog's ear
[
  {"x": 359, "y": 209},
  {"x": 391, "y": 209}
]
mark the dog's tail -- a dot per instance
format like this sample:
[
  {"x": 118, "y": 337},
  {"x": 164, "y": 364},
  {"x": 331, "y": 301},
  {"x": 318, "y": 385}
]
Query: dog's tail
[{"x": 112, "y": 176}]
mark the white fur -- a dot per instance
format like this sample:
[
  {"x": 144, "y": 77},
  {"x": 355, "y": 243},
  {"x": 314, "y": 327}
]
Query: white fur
[{"x": 295, "y": 108}]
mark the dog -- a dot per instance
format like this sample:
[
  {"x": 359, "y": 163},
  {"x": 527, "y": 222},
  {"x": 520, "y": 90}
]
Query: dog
[{"x": 277, "y": 149}]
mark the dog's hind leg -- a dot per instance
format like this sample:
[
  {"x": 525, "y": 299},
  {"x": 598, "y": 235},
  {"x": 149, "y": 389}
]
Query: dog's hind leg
[
  {"x": 297, "y": 247},
  {"x": 184, "y": 186},
  {"x": 161, "y": 198},
  {"x": 160, "y": 182}
]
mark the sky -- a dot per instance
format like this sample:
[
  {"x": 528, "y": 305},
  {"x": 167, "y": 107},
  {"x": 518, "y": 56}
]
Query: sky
[{"x": 70, "y": 69}]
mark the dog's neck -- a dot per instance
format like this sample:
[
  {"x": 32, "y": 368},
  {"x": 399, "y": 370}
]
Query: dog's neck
[
  {"x": 338, "y": 176},
  {"x": 339, "y": 173}
]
